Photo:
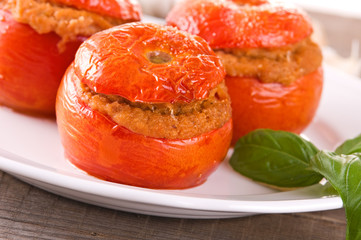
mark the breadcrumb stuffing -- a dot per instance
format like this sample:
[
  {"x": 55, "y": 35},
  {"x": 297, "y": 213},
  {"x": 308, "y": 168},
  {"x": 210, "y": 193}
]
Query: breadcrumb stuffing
[
  {"x": 67, "y": 22},
  {"x": 282, "y": 65},
  {"x": 164, "y": 120}
]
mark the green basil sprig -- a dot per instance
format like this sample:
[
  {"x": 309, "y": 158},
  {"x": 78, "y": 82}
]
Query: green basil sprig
[
  {"x": 350, "y": 146},
  {"x": 264, "y": 154},
  {"x": 343, "y": 172},
  {"x": 276, "y": 158}
]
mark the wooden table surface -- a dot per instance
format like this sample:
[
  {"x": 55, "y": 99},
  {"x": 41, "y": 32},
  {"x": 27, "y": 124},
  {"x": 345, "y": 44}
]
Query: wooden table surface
[{"x": 27, "y": 212}]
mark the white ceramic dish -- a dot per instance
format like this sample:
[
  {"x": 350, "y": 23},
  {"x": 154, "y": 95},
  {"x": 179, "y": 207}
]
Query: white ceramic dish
[{"x": 30, "y": 149}]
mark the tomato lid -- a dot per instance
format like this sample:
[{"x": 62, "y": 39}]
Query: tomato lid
[
  {"x": 241, "y": 23},
  {"x": 148, "y": 63},
  {"x": 122, "y": 9}
]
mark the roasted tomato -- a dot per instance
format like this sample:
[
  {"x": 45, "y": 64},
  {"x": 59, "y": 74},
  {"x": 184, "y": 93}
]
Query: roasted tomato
[
  {"x": 274, "y": 72},
  {"x": 38, "y": 43},
  {"x": 30, "y": 66},
  {"x": 137, "y": 70},
  {"x": 236, "y": 24},
  {"x": 273, "y": 105}
]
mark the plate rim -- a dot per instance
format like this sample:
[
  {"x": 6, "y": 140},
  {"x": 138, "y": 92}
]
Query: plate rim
[
  {"x": 19, "y": 166},
  {"x": 165, "y": 198}
]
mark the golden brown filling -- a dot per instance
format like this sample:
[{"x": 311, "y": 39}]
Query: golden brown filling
[
  {"x": 283, "y": 65},
  {"x": 164, "y": 120},
  {"x": 67, "y": 22}
]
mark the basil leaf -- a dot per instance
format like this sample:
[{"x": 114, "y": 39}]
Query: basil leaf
[
  {"x": 350, "y": 146},
  {"x": 343, "y": 172},
  {"x": 273, "y": 157}
]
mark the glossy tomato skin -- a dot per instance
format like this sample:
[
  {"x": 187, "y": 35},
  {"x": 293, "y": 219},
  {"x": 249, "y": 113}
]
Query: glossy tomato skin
[
  {"x": 31, "y": 66},
  {"x": 102, "y": 148},
  {"x": 273, "y": 105},
  {"x": 234, "y": 24},
  {"x": 118, "y": 64}
]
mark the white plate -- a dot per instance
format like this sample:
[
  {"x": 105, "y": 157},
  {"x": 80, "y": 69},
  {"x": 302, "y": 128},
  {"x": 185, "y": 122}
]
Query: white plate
[{"x": 31, "y": 151}]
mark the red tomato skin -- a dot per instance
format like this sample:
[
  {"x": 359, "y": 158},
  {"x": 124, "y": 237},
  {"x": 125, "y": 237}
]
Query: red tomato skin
[
  {"x": 31, "y": 66},
  {"x": 226, "y": 24},
  {"x": 128, "y": 10},
  {"x": 96, "y": 144},
  {"x": 273, "y": 105},
  {"x": 114, "y": 62}
]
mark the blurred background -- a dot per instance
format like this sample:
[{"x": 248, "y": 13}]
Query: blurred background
[{"x": 337, "y": 26}]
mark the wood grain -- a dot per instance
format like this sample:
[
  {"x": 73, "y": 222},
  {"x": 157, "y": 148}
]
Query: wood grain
[{"x": 27, "y": 212}]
